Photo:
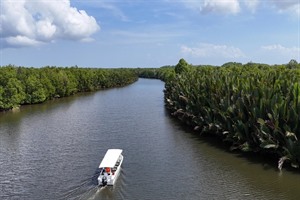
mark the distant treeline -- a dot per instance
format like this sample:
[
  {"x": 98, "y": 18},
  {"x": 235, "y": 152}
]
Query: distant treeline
[
  {"x": 164, "y": 73},
  {"x": 21, "y": 85},
  {"x": 253, "y": 107}
]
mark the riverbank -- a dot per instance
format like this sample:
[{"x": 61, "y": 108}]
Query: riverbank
[
  {"x": 21, "y": 85},
  {"x": 254, "y": 107}
]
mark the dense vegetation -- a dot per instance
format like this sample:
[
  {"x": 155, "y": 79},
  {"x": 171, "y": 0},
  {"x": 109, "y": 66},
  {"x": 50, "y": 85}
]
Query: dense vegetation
[
  {"x": 254, "y": 107},
  {"x": 164, "y": 73},
  {"x": 20, "y": 85}
]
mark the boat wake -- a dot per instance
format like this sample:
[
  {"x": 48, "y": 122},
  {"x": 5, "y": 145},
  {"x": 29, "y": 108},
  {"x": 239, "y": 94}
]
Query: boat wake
[
  {"x": 84, "y": 189},
  {"x": 88, "y": 189},
  {"x": 102, "y": 181}
]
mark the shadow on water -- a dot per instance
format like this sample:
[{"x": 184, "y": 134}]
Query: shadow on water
[
  {"x": 266, "y": 161},
  {"x": 49, "y": 105}
]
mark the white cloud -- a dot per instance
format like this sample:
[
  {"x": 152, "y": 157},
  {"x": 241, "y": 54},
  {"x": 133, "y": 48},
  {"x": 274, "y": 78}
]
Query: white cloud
[
  {"x": 285, "y": 4},
  {"x": 291, "y": 6},
  {"x": 21, "y": 41},
  {"x": 114, "y": 9},
  {"x": 212, "y": 6},
  {"x": 289, "y": 52},
  {"x": 212, "y": 50},
  {"x": 234, "y": 6},
  {"x": 251, "y": 4},
  {"x": 224, "y": 6},
  {"x": 149, "y": 35},
  {"x": 27, "y": 23}
]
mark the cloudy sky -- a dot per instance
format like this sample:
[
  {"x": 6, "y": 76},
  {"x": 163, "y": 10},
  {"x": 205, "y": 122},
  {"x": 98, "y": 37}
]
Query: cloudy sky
[{"x": 148, "y": 33}]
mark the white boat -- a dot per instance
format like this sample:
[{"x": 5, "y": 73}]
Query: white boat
[{"x": 110, "y": 167}]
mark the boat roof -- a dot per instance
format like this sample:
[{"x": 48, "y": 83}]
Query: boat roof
[{"x": 110, "y": 158}]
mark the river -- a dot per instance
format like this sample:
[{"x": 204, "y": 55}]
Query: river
[{"x": 52, "y": 151}]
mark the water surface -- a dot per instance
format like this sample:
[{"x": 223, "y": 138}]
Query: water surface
[{"x": 52, "y": 151}]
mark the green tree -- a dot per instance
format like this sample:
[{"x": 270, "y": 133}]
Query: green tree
[
  {"x": 13, "y": 93},
  {"x": 46, "y": 83},
  {"x": 232, "y": 64},
  {"x": 292, "y": 64},
  {"x": 21, "y": 85},
  {"x": 182, "y": 66},
  {"x": 2, "y": 99},
  {"x": 35, "y": 92}
]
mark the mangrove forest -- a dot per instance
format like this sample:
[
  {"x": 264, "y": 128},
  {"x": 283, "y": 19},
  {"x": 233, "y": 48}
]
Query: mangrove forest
[
  {"x": 253, "y": 107},
  {"x": 21, "y": 85}
]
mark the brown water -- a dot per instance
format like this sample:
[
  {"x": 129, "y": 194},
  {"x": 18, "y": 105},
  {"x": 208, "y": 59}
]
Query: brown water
[{"x": 52, "y": 151}]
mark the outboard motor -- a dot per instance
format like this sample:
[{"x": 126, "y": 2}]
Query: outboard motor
[{"x": 104, "y": 181}]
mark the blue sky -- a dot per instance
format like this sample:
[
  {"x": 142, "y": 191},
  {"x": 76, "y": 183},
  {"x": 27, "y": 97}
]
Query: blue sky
[{"x": 140, "y": 33}]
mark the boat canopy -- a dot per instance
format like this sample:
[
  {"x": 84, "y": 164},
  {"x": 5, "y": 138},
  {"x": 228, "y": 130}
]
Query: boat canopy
[{"x": 110, "y": 158}]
